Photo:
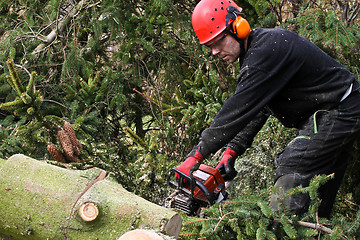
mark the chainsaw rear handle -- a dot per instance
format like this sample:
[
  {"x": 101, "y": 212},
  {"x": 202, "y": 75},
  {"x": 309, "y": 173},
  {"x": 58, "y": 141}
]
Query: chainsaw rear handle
[{"x": 179, "y": 185}]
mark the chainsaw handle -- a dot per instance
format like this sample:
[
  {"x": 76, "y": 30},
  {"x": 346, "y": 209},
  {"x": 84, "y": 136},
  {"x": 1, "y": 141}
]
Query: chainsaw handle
[
  {"x": 182, "y": 175},
  {"x": 179, "y": 185}
]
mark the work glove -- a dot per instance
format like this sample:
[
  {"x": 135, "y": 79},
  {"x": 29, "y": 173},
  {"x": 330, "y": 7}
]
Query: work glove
[
  {"x": 226, "y": 165},
  {"x": 192, "y": 162}
]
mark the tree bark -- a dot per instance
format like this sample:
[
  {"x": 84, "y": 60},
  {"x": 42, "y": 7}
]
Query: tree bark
[{"x": 42, "y": 201}]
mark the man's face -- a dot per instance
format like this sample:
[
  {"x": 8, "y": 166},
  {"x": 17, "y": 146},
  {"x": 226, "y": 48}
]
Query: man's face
[{"x": 225, "y": 46}]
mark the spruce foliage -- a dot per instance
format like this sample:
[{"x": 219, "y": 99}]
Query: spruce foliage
[{"x": 249, "y": 216}]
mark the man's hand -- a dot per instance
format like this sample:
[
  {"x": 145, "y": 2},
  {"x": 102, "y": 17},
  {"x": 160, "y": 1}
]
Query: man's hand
[
  {"x": 193, "y": 158},
  {"x": 226, "y": 165}
]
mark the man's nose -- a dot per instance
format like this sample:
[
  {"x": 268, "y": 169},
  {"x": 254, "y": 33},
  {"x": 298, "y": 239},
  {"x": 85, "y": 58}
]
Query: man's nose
[{"x": 215, "y": 51}]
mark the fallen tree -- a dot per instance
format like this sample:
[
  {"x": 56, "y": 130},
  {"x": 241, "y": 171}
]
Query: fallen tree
[{"x": 43, "y": 201}]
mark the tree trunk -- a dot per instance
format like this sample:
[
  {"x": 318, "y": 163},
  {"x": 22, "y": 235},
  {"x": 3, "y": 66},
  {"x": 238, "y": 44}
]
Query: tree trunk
[{"x": 43, "y": 201}]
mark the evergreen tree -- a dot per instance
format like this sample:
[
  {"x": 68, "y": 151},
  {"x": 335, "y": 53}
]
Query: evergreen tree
[{"x": 132, "y": 79}]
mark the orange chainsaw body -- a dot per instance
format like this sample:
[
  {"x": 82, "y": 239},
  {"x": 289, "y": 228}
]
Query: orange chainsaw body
[
  {"x": 211, "y": 178},
  {"x": 203, "y": 188}
]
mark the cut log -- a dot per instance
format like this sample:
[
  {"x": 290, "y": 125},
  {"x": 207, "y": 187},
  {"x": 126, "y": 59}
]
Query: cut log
[
  {"x": 43, "y": 201},
  {"x": 140, "y": 234}
]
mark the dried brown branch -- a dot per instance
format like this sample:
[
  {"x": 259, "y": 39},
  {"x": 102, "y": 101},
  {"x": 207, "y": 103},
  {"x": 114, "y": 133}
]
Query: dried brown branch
[
  {"x": 51, "y": 37},
  {"x": 350, "y": 10}
]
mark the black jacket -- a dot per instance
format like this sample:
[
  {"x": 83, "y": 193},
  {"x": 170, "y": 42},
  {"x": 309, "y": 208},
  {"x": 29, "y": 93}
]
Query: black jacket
[{"x": 285, "y": 73}]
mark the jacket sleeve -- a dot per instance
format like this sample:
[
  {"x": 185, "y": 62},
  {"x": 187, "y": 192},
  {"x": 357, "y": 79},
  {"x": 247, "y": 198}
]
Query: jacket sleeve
[
  {"x": 254, "y": 91},
  {"x": 243, "y": 140}
]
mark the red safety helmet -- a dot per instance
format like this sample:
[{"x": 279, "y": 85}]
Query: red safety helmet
[{"x": 208, "y": 20}]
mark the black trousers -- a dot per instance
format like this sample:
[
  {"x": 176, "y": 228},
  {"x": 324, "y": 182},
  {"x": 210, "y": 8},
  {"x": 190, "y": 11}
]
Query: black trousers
[{"x": 322, "y": 146}]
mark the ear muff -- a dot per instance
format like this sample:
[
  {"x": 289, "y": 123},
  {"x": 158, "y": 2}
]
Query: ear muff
[
  {"x": 238, "y": 25},
  {"x": 241, "y": 27}
]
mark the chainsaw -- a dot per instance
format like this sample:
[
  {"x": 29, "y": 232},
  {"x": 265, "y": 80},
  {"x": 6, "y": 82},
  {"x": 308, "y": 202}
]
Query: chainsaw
[{"x": 203, "y": 188}]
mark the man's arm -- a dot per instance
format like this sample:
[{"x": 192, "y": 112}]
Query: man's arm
[
  {"x": 237, "y": 146},
  {"x": 245, "y": 137}
]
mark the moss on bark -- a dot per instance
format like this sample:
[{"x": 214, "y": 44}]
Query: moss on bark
[{"x": 37, "y": 200}]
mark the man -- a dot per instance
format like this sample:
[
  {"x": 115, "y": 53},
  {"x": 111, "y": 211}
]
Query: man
[{"x": 287, "y": 76}]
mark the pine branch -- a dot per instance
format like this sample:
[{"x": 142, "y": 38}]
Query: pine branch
[
  {"x": 315, "y": 226},
  {"x": 217, "y": 225}
]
